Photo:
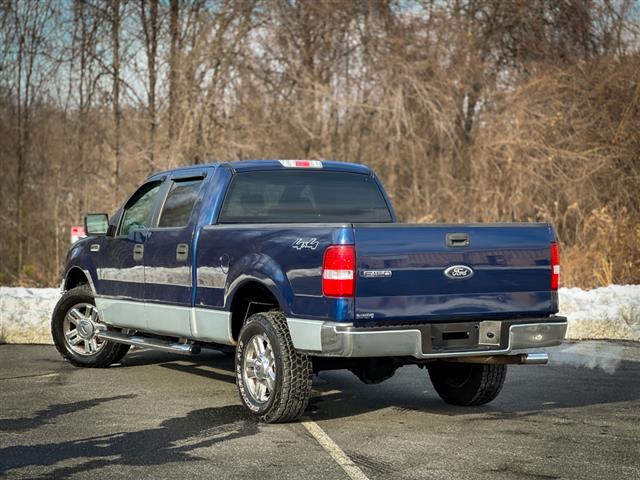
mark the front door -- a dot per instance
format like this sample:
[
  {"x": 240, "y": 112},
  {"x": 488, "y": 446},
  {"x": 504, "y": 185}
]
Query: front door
[{"x": 120, "y": 268}]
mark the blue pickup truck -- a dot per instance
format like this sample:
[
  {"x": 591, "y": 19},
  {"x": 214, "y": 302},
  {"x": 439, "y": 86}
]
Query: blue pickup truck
[{"x": 299, "y": 266}]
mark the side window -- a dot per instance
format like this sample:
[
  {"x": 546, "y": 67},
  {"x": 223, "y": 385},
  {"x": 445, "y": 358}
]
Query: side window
[
  {"x": 179, "y": 203},
  {"x": 139, "y": 210}
]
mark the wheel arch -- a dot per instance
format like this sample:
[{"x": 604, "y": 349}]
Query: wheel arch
[
  {"x": 76, "y": 277},
  {"x": 249, "y": 297}
]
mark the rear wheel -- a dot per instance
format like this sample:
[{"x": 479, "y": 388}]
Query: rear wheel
[
  {"x": 467, "y": 384},
  {"x": 273, "y": 379},
  {"x": 74, "y": 327}
]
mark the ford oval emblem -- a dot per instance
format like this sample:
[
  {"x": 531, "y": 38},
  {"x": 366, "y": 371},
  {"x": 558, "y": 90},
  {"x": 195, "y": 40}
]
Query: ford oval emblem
[{"x": 459, "y": 272}]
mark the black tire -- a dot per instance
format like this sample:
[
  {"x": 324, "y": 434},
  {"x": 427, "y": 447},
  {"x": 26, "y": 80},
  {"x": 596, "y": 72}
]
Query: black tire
[
  {"x": 467, "y": 384},
  {"x": 292, "y": 370},
  {"x": 110, "y": 353},
  {"x": 122, "y": 351}
]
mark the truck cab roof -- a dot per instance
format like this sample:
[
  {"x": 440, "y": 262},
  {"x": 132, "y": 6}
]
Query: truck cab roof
[{"x": 270, "y": 164}]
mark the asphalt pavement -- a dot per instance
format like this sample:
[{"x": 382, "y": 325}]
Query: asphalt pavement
[{"x": 161, "y": 415}]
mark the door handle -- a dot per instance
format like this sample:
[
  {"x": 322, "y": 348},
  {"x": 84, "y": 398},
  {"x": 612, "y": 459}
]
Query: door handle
[
  {"x": 182, "y": 252},
  {"x": 138, "y": 251}
]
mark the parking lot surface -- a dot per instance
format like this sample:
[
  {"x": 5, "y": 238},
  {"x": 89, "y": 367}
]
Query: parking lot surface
[{"x": 160, "y": 415}]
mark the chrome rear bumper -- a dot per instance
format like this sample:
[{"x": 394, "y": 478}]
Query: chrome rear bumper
[{"x": 426, "y": 341}]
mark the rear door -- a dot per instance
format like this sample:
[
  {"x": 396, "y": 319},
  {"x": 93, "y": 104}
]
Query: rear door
[
  {"x": 414, "y": 273},
  {"x": 168, "y": 258}
]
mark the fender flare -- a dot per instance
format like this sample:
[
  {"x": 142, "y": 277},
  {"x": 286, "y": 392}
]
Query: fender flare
[
  {"x": 263, "y": 270},
  {"x": 84, "y": 272}
]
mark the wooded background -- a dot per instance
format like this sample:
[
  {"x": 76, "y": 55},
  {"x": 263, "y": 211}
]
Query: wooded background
[{"x": 468, "y": 110}]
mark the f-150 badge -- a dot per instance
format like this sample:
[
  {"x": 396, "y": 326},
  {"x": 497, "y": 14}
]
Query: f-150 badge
[
  {"x": 376, "y": 273},
  {"x": 310, "y": 243}
]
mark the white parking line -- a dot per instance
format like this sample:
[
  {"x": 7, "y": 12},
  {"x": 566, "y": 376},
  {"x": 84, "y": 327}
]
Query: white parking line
[
  {"x": 38, "y": 375},
  {"x": 333, "y": 450}
]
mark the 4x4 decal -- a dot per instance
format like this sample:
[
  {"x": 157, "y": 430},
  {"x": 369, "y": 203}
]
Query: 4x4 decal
[{"x": 310, "y": 243}]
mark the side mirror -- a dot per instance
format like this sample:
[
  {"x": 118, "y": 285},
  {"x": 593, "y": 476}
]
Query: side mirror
[{"x": 96, "y": 223}]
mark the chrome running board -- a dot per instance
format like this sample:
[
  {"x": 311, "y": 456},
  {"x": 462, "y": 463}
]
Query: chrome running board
[{"x": 155, "y": 343}]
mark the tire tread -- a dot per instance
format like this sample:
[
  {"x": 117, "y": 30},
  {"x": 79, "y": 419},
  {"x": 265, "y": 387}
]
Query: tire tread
[{"x": 292, "y": 397}]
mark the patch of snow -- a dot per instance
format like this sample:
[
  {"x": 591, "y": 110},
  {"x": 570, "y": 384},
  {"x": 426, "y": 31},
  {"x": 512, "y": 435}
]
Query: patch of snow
[
  {"x": 25, "y": 314},
  {"x": 611, "y": 312}
]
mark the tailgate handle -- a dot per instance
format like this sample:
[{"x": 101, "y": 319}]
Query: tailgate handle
[{"x": 457, "y": 239}]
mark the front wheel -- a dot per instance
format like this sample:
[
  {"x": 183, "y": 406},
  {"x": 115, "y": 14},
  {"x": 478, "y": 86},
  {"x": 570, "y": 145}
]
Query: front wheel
[
  {"x": 467, "y": 384},
  {"x": 273, "y": 379},
  {"x": 74, "y": 327}
]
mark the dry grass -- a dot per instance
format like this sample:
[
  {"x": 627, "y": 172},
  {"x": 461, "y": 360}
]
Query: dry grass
[{"x": 607, "y": 251}]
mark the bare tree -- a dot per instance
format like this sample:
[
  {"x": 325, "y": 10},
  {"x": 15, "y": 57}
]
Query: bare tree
[
  {"x": 174, "y": 34},
  {"x": 27, "y": 36},
  {"x": 115, "y": 19}
]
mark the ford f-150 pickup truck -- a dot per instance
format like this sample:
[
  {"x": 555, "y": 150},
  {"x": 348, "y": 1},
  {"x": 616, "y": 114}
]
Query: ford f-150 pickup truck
[{"x": 299, "y": 266}]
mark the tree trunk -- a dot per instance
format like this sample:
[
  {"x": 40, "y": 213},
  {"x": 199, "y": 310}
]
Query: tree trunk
[
  {"x": 150, "y": 29},
  {"x": 174, "y": 33},
  {"x": 115, "y": 94}
]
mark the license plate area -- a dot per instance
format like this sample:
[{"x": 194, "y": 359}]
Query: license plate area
[
  {"x": 478, "y": 336},
  {"x": 454, "y": 336}
]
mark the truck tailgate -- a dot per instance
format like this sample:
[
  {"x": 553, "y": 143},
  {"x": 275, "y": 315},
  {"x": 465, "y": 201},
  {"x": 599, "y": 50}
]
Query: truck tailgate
[{"x": 506, "y": 272}]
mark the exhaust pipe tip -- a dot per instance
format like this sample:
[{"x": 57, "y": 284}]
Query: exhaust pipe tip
[{"x": 534, "y": 358}]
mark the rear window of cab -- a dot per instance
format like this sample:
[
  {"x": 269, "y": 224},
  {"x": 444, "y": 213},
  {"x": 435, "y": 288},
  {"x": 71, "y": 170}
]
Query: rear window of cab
[{"x": 308, "y": 196}]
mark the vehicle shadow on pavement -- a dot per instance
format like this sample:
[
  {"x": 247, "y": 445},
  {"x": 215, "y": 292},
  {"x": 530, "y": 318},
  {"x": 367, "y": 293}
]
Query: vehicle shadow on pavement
[
  {"x": 138, "y": 357},
  {"x": 203, "y": 370},
  {"x": 529, "y": 390},
  {"x": 201, "y": 364},
  {"x": 171, "y": 441},
  {"x": 49, "y": 414}
]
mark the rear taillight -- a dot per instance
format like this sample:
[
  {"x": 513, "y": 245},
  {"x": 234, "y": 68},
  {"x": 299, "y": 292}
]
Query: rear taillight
[
  {"x": 338, "y": 271},
  {"x": 555, "y": 266}
]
